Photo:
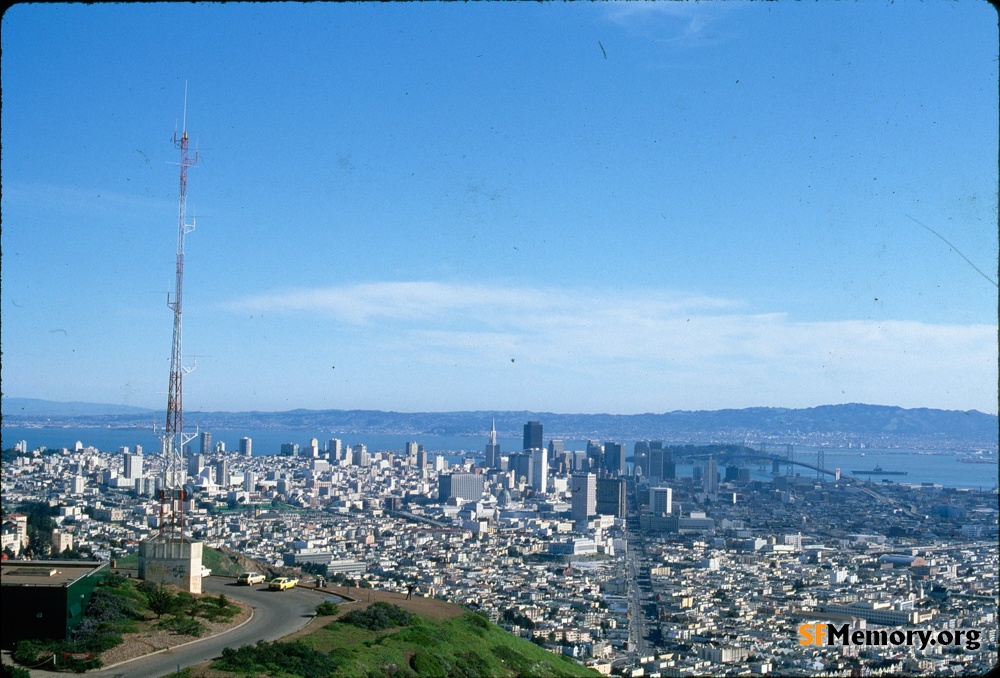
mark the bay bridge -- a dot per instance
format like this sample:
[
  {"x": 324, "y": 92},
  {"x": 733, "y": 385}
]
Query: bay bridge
[{"x": 776, "y": 460}]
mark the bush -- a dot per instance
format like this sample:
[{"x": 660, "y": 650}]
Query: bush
[
  {"x": 14, "y": 672},
  {"x": 514, "y": 660},
  {"x": 27, "y": 651},
  {"x": 109, "y": 607},
  {"x": 38, "y": 655},
  {"x": 478, "y": 620},
  {"x": 327, "y": 608},
  {"x": 378, "y": 617},
  {"x": 427, "y": 665},
  {"x": 184, "y": 626},
  {"x": 215, "y": 609},
  {"x": 114, "y": 580},
  {"x": 161, "y": 601},
  {"x": 276, "y": 658}
]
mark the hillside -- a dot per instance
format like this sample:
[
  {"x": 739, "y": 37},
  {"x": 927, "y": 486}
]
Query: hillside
[{"x": 440, "y": 640}]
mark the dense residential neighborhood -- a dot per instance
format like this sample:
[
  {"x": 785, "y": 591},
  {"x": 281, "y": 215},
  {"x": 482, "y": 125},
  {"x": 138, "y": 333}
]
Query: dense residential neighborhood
[{"x": 630, "y": 574}]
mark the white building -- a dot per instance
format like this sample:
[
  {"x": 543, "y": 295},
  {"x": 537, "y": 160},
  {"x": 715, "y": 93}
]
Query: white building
[{"x": 661, "y": 501}]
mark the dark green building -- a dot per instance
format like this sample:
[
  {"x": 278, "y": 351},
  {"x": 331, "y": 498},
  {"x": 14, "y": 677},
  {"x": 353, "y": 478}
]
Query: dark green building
[{"x": 45, "y": 598}]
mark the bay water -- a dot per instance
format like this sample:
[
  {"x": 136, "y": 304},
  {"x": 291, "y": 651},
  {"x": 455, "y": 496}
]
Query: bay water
[{"x": 922, "y": 466}]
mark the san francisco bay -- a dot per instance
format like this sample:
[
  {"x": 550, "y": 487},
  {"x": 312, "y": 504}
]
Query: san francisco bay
[{"x": 921, "y": 466}]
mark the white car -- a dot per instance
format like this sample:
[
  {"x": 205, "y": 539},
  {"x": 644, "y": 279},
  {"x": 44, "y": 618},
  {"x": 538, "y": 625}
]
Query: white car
[
  {"x": 205, "y": 571},
  {"x": 250, "y": 578}
]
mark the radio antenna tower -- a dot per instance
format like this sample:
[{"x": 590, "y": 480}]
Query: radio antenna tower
[{"x": 172, "y": 496}]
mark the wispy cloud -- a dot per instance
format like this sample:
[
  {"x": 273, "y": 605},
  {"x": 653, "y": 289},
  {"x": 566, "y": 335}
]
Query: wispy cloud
[
  {"x": 654, "y": 328},
  {"x": 75, "y": 200},
  {"x": 668, "y": 21},
  {"x": 489, "y": 305},
  {"x": 651, "y": 349}
]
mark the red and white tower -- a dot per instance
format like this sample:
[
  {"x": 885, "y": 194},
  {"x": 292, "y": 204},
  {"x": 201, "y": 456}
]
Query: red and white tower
[{"x": 174, "y": 439}]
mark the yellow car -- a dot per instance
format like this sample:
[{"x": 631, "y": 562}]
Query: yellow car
[{"x": 282, "y": 583}]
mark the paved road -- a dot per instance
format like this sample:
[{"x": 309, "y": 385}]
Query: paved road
[{"x": 276, "y": 614}]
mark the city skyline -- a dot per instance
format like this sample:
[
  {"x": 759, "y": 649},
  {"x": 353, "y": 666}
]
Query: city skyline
[{"x": 581, "y": 208}]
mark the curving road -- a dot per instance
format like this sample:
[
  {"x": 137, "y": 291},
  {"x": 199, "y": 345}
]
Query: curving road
[{"x": 276, "y": 614}]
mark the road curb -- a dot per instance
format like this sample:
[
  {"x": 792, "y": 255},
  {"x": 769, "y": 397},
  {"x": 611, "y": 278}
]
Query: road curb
[{"x": 174, "y": 647}]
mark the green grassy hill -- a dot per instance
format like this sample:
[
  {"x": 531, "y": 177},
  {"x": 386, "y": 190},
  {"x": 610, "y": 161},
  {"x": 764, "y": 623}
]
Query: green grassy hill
[{"x": 464, "y": 644}]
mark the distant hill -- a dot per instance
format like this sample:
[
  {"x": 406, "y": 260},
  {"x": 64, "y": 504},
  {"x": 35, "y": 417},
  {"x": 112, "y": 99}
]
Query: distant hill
[
  {"x": 874, "y": 425},
  {"x": 34, "y": 407}
]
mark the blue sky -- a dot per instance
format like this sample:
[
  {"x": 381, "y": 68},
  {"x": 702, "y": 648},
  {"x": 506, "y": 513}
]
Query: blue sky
[{"x": 568, "y": 207}]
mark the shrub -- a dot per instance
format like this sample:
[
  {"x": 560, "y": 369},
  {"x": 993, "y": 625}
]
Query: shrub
[
  {"x": 215, "y": 609},
  {"x": 27, "y": 652},
  {"x": 426, "y": 664},
  {"x": 327, "y": 608},
  {"x": 277, "y": 658},
  {"x": 480, "y": 624},
  {"x": 183, "y": 626},
  {"x": 108, "y": 606},
  {"x": 471, "y": 663},
  {"x": 162, "y": 601},
  {"x": 14, "y": 672},
  {"x": 114, "y": 580},
  {"x": 378, "y": 617},
  {"x": 514, "y": 660}
]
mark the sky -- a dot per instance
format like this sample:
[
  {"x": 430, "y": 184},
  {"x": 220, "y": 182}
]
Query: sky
[{"x": 555, "y": 207}]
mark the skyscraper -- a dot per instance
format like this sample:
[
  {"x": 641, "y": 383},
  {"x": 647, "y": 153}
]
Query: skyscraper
[
  {"x": 360, "y": 456},
  {"x": 661, "y": 500},
  {"x": 195, "y": 464},
  {"x": 335, "y": 449},
  {"x": 583, "y": 488},
  {"x": 557, "y": 456},
  {"x": 614, "y": 459},
  {"x": 133, "y": 466},
  {"x": 655, "y": 470},
  {"x": 493, "y": 448},
  {"x": 467, "y": 486},
  {"x": 595, "y": 455},
  {"x": 711, "y": 477},
  {"x": 246, "y": 447},
  {"x": 206, "y": 443},
  {"x": 640, "y": 457},
  {"x": 521, "y": 464},
  {"x": 532, "y": 436},
  {"x": 611, "y": 497},
  {"x": 540, "y": 469},
  {"x": 222, "y": 473}
]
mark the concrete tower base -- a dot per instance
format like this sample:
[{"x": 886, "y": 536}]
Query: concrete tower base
[{"x": 171, "y": 561}]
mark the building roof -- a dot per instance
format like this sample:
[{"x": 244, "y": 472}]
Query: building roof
[{"x": 46, "y": 572}]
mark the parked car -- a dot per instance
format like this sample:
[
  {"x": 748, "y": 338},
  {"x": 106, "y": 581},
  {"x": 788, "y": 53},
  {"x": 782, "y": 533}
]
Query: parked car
[
  {"x": 282, "y": 583},
  {"x": 205, "y": 572},
  {"x": 250, "y": 578}
]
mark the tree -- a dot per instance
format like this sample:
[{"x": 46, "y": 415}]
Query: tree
[{"x": 161, "y": 601}]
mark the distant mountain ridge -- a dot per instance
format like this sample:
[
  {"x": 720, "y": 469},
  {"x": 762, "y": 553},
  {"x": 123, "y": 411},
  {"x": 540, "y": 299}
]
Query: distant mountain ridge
[
  {"x": 35, "y": 407},
  {"x": 834, "y": 424}
]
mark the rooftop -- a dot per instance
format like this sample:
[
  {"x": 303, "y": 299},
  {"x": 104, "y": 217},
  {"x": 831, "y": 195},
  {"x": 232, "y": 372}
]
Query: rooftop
[{"x": 46, "y": 572}]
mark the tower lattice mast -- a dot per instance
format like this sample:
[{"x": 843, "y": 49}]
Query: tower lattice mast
[{"x": 173, "y": 438}]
